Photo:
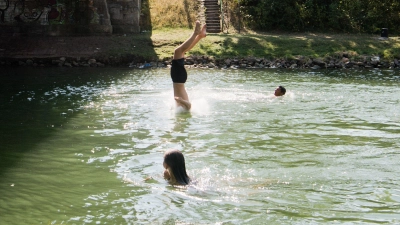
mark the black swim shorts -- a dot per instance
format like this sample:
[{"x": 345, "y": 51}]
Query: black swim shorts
[{"x": 178, "y": 71}]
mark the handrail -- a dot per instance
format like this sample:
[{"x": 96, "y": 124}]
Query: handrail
[{"x": 222, "y": 15}]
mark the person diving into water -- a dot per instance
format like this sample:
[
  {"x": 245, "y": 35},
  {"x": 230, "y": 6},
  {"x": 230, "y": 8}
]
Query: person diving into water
[{"x": 178, "y": 71}]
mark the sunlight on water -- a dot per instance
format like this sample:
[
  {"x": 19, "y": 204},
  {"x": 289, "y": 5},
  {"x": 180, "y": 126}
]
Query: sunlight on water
[{"x": 88, "y": 149}]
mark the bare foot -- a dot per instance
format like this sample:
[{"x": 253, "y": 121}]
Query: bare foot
[
  {"x": 197, "y": 28},
  {"x": 203, "y": 32},
  {"x": 185, "y": 104}
]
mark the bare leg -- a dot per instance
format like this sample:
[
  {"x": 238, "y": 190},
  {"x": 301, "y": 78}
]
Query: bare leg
[
  {"x": 197, "y": 34},
  {"x": 185, "y": 104},
  {"x": 181, "y": 96},
  {"x": 202, "y": 34}
]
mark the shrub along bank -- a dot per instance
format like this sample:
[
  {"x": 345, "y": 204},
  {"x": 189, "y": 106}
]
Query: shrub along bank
[{"x": 355, "y": 16}]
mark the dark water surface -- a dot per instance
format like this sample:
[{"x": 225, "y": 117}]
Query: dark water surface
[{"x": 85, "y": 146}]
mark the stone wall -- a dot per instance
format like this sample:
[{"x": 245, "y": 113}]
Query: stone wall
[
  {"x": 69, "y": 17},
  {"x": 125, "y": 15}
]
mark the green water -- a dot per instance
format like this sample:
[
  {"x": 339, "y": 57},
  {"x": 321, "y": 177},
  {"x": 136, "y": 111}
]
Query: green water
[{"x": 85, "y": 146}]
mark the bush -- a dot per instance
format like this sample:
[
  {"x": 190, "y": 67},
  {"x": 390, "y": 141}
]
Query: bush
[
  {"x": 318, "y": 15},
  {"x": 168, "y": 13}
]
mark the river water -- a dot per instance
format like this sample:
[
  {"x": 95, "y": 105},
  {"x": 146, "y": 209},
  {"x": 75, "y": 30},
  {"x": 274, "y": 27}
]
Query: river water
[{"x": 85, "y": 146}]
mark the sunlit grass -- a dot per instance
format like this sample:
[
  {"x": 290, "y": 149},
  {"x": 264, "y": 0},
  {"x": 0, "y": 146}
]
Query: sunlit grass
[
  {"x": 372, "y": 46},
  {"x": 353, "y": 44},
  {"x": 388, "y": 54},
  {"x": 172, "y": 13}
]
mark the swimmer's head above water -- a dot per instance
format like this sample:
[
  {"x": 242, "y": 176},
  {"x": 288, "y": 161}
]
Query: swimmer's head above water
[
  {"x": 279, "y": 91},
  {"x": 175, "y": 169}
]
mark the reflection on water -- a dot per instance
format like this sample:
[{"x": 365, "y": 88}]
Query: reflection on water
[{"x": 86, "y": 146}]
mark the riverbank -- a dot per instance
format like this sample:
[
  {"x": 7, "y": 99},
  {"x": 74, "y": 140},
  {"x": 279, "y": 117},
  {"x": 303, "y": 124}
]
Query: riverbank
[{"x": 245, "y": 50}]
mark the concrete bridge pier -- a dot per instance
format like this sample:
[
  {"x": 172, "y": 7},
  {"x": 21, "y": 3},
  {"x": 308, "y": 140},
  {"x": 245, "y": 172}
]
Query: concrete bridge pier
[{"x": 125, "y": 16}]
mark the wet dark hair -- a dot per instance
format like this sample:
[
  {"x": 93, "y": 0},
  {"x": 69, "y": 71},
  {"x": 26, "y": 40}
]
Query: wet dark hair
[
  {"x": 283, "y": 90},
  {"x": 175, "y": 160}
]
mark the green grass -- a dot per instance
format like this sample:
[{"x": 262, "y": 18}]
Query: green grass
[{"x": 160, "y": 44}]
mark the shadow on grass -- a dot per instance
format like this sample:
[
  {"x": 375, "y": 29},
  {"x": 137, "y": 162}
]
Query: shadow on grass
[{"x": 293, "y": 45}]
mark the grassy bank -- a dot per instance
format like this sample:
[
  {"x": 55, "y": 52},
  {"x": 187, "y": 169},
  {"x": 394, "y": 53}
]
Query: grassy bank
[{"x": 160, "y": 43}]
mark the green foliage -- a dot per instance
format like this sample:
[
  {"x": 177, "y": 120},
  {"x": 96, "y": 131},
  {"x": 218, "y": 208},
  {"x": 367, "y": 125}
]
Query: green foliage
[{"x": 319, "y": 15}]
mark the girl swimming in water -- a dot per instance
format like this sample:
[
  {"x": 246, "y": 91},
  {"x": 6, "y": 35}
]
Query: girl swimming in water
[{"x": 175, "y": 169}]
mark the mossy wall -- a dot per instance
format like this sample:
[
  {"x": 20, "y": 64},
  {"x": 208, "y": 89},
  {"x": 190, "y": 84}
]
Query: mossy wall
[{"x": 69, "y": 17}]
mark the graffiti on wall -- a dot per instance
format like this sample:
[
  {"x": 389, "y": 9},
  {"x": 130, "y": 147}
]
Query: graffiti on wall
[{"x": 46, "y": 12}]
